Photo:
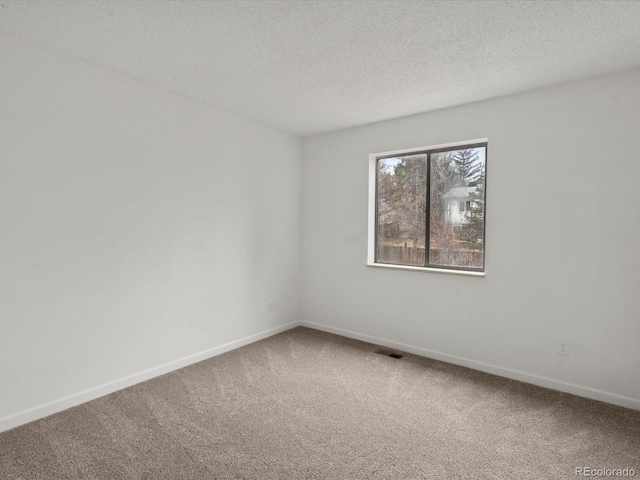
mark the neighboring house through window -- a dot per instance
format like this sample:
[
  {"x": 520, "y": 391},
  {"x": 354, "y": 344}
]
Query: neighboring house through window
[{"x": 457, "y": 203}]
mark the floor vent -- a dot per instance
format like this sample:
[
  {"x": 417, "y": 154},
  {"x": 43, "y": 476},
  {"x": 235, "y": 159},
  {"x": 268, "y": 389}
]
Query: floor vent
[{"x": 388, "y": 353}]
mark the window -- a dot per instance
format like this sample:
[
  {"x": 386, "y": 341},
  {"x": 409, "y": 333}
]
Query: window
[
  {"x": 427, "y": 207},
  {"x": 465, "y": 206}
]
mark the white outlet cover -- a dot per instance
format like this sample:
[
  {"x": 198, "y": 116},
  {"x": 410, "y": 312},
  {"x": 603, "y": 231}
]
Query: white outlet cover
[{"x": 563, "y": 347}]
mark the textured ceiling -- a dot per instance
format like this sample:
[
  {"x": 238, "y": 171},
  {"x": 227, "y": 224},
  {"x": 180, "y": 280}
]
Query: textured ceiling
[{"x": 308, "y": 67}]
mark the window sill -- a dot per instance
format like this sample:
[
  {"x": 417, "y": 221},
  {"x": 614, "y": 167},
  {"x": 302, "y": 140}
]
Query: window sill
[{"x": 466, "y": 273}]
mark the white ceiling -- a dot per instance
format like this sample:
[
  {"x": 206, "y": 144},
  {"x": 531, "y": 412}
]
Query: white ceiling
[{"x": 308, "y": 67}]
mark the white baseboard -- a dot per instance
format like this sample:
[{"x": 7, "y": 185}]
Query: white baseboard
[
  {"x": 55, "y": 406},
  {"x": 541, "y": 381}
]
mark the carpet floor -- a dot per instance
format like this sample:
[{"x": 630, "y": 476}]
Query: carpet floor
[{"x": 310, "y": 405}]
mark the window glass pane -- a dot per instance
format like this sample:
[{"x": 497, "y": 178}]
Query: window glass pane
[
  {"x": 456, "y": 221},
  {"x": 401, "y": 210}
]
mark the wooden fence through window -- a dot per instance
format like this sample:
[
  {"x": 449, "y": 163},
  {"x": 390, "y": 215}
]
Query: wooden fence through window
[{"x": 415, "y": 256}]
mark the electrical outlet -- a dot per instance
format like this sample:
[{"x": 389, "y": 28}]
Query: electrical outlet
[
  {"x": 563, "y": 347},
  {"x": 271, "y": 307}
]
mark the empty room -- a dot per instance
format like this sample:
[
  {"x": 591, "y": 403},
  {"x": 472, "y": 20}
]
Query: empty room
[{"x": 319, "y": 239}]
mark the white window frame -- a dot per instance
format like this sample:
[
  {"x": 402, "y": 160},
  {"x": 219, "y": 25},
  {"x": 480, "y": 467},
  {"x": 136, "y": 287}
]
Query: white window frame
[{"x": 371, "y": 250}]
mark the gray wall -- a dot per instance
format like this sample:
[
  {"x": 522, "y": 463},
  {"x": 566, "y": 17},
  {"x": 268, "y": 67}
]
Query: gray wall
[
  {"x": 562, "y": 249},
  {"x": 138, "y": 229}
]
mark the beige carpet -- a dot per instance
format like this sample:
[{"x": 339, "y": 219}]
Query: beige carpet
[{"x": 310, "y": 405}]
